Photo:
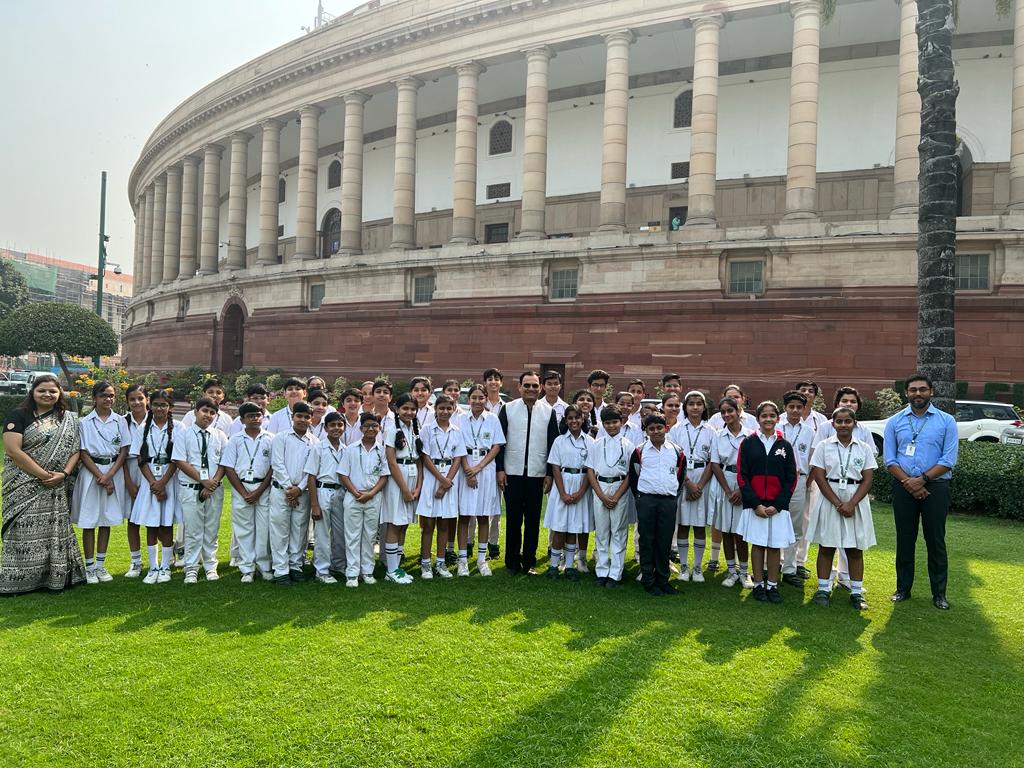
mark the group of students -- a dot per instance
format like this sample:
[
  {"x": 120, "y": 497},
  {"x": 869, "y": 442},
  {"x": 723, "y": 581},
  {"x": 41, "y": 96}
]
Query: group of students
[{"x": 345, "y": 482}]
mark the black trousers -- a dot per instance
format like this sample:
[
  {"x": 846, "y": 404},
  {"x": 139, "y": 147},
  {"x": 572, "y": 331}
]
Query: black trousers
[
  {"x": 931, "y": 512},
  {"x": 656, "y": 524},
  {"x": 523, "y": 497}
]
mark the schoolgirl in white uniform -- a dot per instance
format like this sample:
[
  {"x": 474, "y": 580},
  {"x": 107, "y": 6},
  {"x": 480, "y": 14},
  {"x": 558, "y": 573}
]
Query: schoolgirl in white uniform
[
  {"x": 324, "y": 485},
  {"x": 694, "y": 510},
  {"x": 803, "y": 439},
  {"x": 319, "y": 407},
  {"x": 843, "y": 468},
  {"x": 569, "y": 511},
  {"x": 402, "y": 447},
  {"x": 444, "y": 451},
  {"x": 100, "y": 496},
  {"x": 138, "y": 410},
  {"x": 246, "y": 462},
  {"x": 746, "y": 419},
  {"x": 478, "y": 482},
  {"x": 812, "y": 418},
  {"x": 453, "y": 389},
  {"x": 364, "y": 473},
  {"x": 586, "y": 402},
  {"x": 156, "y": 504},
  {"x": 289, "y": 497},
  {"x": 420, "y": 388},
  {"x": 726, "y": 500},
  {"x": 608, "y": 476}
]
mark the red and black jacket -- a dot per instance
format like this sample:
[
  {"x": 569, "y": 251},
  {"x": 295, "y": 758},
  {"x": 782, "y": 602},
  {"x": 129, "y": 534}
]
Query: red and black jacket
[{"x": 767, "y": 480}]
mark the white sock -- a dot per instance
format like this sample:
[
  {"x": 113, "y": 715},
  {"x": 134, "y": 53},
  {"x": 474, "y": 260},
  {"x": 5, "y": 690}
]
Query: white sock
[
  {"x": 698, "y": 553},
  {"x": 683, "y": 548},
  {"x": 167, "y": 557},
  {"x": 481, "y": 553},
  {"x": 570, "y": 555},
  {"x": 463, "y": 555},
  {"x": 136, "y": 557},
  {"x": 101, "y": 558},
  {"x": 730, "y": 565},
  {"x": 856, "y": 587},
  {"x": 772, "y": 584},
  {"x": 743, "y": 567},
  {"x": 90, "y": 565},
  {"x": 824, "y": 585},
  {"x": 449, "y": 547},
  {"x": 716, "y": 547},
  {"x": 425, "y": 563},
  {"x": 440, "y": 562},
  {"x": 556, "y": 556},
  {"x": 391, "y": 555},
  {"x": 154, "y": 564}
]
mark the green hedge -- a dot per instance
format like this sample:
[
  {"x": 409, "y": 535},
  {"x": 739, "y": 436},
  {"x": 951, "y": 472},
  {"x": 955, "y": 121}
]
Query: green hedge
[
  {"x": 988, "y": 480},
  {"x": 8, "y": 403}
]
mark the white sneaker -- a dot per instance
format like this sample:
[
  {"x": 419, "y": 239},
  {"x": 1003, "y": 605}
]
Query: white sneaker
[
  {"x": 151, "y": 576},
  {"x": 442, "y": 570},
  {"x": 267, "y": 575},
  {"x": 134, "y": 571},
  {"x": 91, "y": 577},
  {"x": 179, "y": 560},
  {"x": 368, "y": 579},
  {"x": 746, "y": 581},
  {"x": 398, "y": 576},
  {"x": 353, "y": 582},
  {"x": 163, "y": 576},
  {"x": 581, "y": 564},
  {"x": 697, "y": 576},
  {"x": 325, "y": 579},
  {"x": 233, "y": 562},
  {"x": 102, "y": 574},
  {"x": 684, "y": 574},
  {"x": 191, "y": 578},
  {"x": 247, "y": 578},
  {"x": 463, "y": 569},
  {"x": 426, "y": 573},
  {"x": 484, "y": 569},
  {"x": 212, "y": 576},
  {"x": 731, "y": 579}
]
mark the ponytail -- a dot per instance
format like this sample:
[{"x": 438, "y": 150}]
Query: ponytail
[
  {"x": 416, "y": 433},
  {"x": 144, "y": 457}
]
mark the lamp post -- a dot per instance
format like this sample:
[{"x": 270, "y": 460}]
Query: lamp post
[{"x": 102, "y": 259}]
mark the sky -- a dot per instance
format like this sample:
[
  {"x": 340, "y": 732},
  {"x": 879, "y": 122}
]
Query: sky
[{"x": 83, "y": 83}]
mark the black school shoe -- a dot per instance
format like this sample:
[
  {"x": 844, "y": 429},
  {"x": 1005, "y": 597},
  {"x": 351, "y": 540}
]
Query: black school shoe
[
  {"x": 296, "y": 575},
  {"x": 668, "y": 589},
  {"x": 858, "y": 602},
  {"x": 493, "y": 551},
  {"x": 759, "y": 593},
  {"x": 821, "y": 597},
  {"x": 900, "y": 596},
  {"x": 612, "y": 584},
  {"x": 282, "y": 581},
  {"x": 803, "y": 573},
  {"x": 602, "y": 580},
  {"x": 653, "y": 590},
  {"x": 793, "y": 580},
  {"x": 773, "y": 595},
  {"x": 940, "y": 602}
]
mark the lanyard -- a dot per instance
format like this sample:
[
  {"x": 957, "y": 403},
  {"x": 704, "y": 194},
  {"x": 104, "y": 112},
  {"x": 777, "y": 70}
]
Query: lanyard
[
  {"x": 163, "y": 443},
  {"x": 475, "y": 433},
  {"x": 367, "y": 473},
  {"x": 923, "y": 423},
  {"x": 696, "y": 437},
  {"x": 335, "y": 454},
  {"x": 604, "y": 453},
  {"x": 113, "y": 442},
  {"x": 410, "y": 442},
  {"x": 799, "y": 429},
  {"x": 252, "y": 456},
  {"x": 849, "y": 455},
  {"x": 447, "y": 440},
  {"x": 581, "y": 449}
]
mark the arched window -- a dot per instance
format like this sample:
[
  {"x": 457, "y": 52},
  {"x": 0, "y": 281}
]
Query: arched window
[
  {"x": 330, "y": 234},
  {"x": 501, "y": 138},
  {"x": 334, "y": 175},
  {"x": 682, "y": 112},
  {"x": 280, "y": 191}
]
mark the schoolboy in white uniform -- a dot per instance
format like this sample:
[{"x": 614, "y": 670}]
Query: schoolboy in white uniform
[
  {"x": 289, "y": 496},
  {"x": 281, "y": 420},
  {"x": 811, "y": 417},
  {"x": 364, "y": 473},
  {"x": 801, "y": 435},
  {"x": 246, "y": 462},
  {"x": 197, "y": 455},
  {"x": 258, "y": 395},
  {"x": 351, "y": 407},
  {"x": 552, "y": 384},
  {"x": 607, "y": 471},
  {"x": 324, "y": 484},
  {"x": 213, "y": 389}
]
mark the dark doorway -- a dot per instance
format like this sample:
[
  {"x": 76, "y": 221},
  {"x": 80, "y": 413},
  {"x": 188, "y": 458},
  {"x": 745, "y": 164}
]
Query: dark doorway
[
  {"x": 330, "y": 234},
  {"x": 233, "y": 337}
]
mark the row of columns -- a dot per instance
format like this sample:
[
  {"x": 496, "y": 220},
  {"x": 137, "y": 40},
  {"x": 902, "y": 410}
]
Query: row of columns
[{"x": 168, "y": 209}]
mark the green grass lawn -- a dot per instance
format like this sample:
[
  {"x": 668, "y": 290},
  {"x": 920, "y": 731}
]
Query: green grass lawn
[{"x": 520, "y": 671}]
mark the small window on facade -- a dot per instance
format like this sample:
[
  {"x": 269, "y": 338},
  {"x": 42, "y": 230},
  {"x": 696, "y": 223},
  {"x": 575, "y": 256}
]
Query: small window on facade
[
  {"x": 280, "y": 230},
  {"x": 677, "y": 218},
  {"x": 422, "y": 289},
  {"x": 563, "y": 283},
  {"x": 317, "y": 291},
  {"x": 183, "y": 305},
  {"x": 746, "y": 277},
  {"x": 972, "y": 272},
  {"x": 501, "y": 138},
  {"x": 497, "y": 191},
  {"x": 280, "y": 191},
  {"x": 682, "y": 113},
  {"x": 496, "y": 233},
  {"x": 334, "y": 175},
  {"x": 680, "y": 171}
]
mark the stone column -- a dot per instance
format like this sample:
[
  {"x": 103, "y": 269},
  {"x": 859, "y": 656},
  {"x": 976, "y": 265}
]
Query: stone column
[
  {"x": 270, "y": 172},
  {"x": 1017, "y": 111},
  {"x": 352, "y": 175},
  {"x": 802, "y": 164},
  {"x": 147, "y": 241},
  {"x": 908, "y": 117},
  {"x": 140, "y": 231},
  {"x": 189, "y": 206},
  {"x": 209, "y": 245},
  {"x": 704, "y": 127},
  {"x": 616, "y": 111},
  {"x": 305, "y": 197},
  {"x": 172, "y": 225},
  {"x": 403, "y": 227},
  {"x": 464, "y": 176},
  {"x": 535, "y": 145},
  {"x": 156, "y": 262},
  {"x": 237, "y": 201}
]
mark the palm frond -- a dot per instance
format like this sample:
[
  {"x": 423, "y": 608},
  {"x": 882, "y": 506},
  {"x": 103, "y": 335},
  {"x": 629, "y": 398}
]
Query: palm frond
[{"x": 828, "y": 9}]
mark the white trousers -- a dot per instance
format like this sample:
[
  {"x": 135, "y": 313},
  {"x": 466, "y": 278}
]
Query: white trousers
[
  {"x": 361, "y": 521},
  {"x": 799, "y": 513},
  {"x": 611, "y": 532},
  {"x": 289, "y": 527},
  {"x": 250, "y": 532},
  {"x": 201, "y": 523},
  {"x": 323, "y": 531}
]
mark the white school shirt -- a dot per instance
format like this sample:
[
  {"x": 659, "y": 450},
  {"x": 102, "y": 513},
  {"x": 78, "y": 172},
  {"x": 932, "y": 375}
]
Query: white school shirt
[
  {"x": 363, "y": 467},
  {"x": 609, "y": 456},
  {"x": 280, "y": 421},
  {"x": 443, "y": 445},
  {"x": 244, "y": 453},
  {"x": 803, "y": 439},
  {"x": 134, "y": 427},
  {"x": 237, "y": 427},
  {"x": 727, "y": 446},
  {"x": 157, "y": 440},
  {"x": 352, "y": 433},
  {"x": 391, "y": 432},
  {"x": 696, "y": 441},
  {"x": 222, "y": 422},
  {"x": 658, "y": 467},
  {"x": 104, "y": 438},
  {"x": 834, "y": 458},
  {"x": 188, "y": 448},
  {"x": 558, "y": 407},
  {"x": 480, "y": 435},
  {"x": 767, "y": 440},
  {"x": 816, "y": 420},
  {"x": 748, "y": 420},
  {"x": 319, "y": 431},
  {"x": 494, "y": 407},
  {"x": 288, "y": 454},
  {"x": 324, "y": 460},
  {"x": 571, "y": 452},
  {"x": 425, "y": 416}
]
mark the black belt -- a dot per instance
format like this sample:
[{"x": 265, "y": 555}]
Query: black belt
[
  {"x": 278, "y": 485},
  {"x": 194, "y": 486},
  {"x": 602, "y": 479},
  {"x": 730, "y": 468},
  {"x": 255, "y": 480},
  {"x": 849, "y": 480},
  {"x": 406, "y": 462},
  {"x": 332, "y": 486},
  {"x": 477, "y": 453},
  {"x": 699, "y": 464},
  {"x": 100, "y": 461},
  {"x": 442, "y": 462},
  {"x": 658, "y": 495},
  {"x": 802, "y": 474},
  {"x": 572, "y": 471}
]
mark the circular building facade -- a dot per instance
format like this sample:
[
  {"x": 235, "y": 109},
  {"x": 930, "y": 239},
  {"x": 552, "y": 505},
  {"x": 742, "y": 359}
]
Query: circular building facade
[{"x": 725, "y": 190}]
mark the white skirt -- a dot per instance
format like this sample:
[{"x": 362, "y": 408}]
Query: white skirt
[
  {"x": 135, "y": 473},
  {"x": 447, "y": 507},
  {"x": 696, "y": 513},
  {"x": 775, "y": 532},
  {"x": 828, "y": 528},
  {"x": 566, "y": 518},
  {"x": 92, "y": 506},
  {"x": 725, "y": 516},
  {"x": 395, "y": 509},
  {"x": 151, "y": 512},
  {"x": 483, "y": 500}
]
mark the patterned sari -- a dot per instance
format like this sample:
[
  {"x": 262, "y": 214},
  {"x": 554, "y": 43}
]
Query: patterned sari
[{"x": 39, "y": 546}]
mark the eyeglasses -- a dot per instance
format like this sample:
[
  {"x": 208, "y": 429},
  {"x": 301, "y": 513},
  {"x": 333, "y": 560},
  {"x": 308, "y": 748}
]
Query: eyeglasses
[
  {"x": 105, "y": 396},
  {"x": 530, "y": 386}
]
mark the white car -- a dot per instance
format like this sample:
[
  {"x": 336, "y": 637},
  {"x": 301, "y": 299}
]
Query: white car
[
  {"x": 1013, "y": 435},
  {"x": 975, "y": 420}
]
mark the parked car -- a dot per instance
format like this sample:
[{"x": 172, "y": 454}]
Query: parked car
[
  {"x": 15, "y": 382},
  {"x": 1013, "y": 435},
  {"x": 976, "y": 420}
]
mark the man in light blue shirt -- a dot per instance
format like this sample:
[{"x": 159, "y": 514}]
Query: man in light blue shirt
[{"x": 921, "y": 446}]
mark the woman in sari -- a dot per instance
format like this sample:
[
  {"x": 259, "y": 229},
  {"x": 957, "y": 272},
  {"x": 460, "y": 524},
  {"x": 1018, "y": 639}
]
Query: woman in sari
[{"x": 41, "y": 445}]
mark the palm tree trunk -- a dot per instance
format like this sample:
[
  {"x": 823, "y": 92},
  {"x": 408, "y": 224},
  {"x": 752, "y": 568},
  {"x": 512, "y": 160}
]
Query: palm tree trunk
[{"x": 936, "y": 240}]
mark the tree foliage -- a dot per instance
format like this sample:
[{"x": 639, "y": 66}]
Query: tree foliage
[
  {"x": 63, "y": 329},
  {"x": 13, "y": 288}
]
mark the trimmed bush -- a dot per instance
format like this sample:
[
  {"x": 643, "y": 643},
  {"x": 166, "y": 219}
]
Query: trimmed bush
[
  {"x": 8, "y": 403},
  {"x": 988, "y": 480}
]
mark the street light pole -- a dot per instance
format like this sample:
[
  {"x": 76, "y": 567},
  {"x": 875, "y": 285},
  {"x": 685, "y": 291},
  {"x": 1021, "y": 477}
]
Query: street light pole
[{"x": 102, "y": 263}]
